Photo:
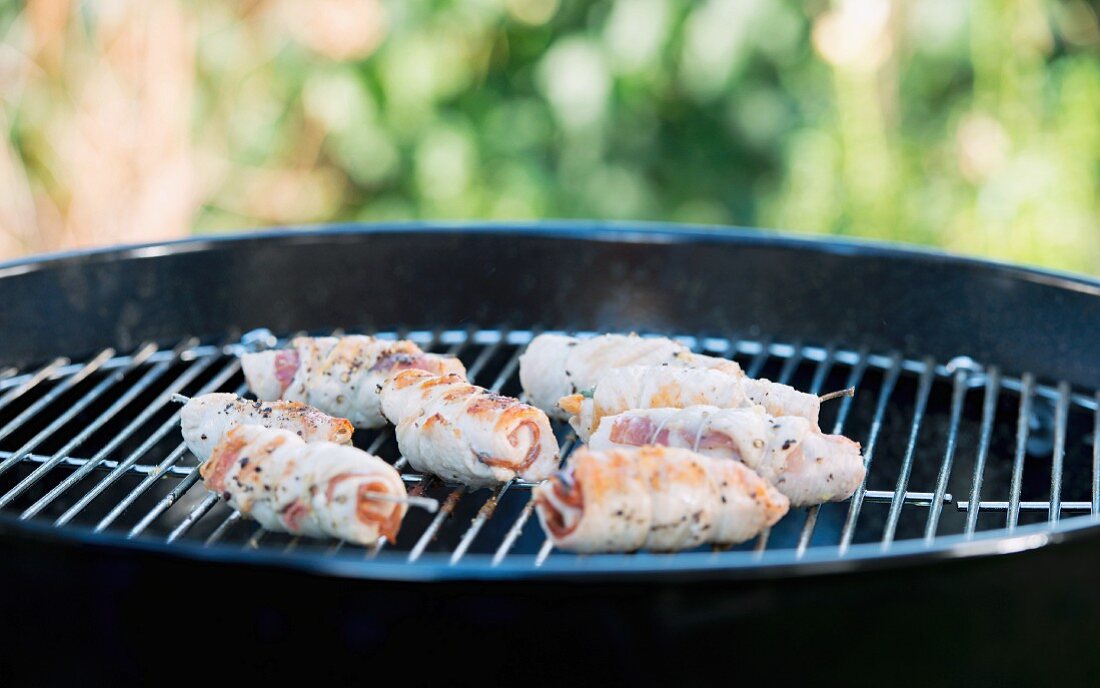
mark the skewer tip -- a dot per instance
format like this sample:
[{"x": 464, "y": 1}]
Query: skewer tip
[
  {"x": 179, "y": 398},
  {"x": 849, "y": 392},
  {"x": 427, "y": 503}
]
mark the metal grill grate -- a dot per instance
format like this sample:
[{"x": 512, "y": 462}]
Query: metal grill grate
[{"x": 96, "y": 445}]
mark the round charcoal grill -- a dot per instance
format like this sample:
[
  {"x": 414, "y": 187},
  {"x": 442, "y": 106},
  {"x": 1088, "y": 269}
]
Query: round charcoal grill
[{"x": 975, "y": 403}]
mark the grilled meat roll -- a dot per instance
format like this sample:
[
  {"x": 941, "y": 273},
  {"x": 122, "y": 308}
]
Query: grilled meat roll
[
  {"x": 205, "y": 419},
  {"x": 339, "y": 375},
  {"x": 641, "y": 387},
  {"x": 555, "y": 366},
  {"x": 805, "y": 465},
  {"x": 656, "y": 498},
  {"x": 321, "y": 489},
  {"x": 465, "y": 433},
  {"x": 782, "y": 400}
]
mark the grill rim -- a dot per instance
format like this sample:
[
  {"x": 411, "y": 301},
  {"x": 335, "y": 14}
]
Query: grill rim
[
  {"x": 903, "y": 261},
  {"x": 605, "y": 231},
  {"x": 685, "y": 566},
  {"x": 478, "y": 567}
]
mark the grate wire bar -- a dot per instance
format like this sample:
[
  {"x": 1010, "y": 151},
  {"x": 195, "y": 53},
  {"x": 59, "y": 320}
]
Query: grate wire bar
[{"x": 93, "y": 444}]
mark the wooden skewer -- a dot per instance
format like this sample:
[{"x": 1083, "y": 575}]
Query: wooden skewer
[
  {"x": 427, "y": 503},
  {"x": 850, "y": 392}
]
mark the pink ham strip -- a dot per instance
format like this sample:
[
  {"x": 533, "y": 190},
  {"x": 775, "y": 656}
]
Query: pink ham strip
[
  {"x": 293, "y": 515},
  {"x": 637, "y": 431},
  {"x": 286, "y": 366},
  {"x": 387, "y": 517},
  {"x": 716, "y": 440}
]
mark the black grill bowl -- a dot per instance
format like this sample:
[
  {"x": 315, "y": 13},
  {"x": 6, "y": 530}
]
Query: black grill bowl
[{"x": 988, "y": 605}]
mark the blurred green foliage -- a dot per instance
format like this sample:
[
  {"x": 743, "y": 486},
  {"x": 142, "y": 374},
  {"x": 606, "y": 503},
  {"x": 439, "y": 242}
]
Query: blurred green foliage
[{"x": 973, "y": 126}]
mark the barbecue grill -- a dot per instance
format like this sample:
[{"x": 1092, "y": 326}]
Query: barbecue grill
[{"x": 976, "y": 404}]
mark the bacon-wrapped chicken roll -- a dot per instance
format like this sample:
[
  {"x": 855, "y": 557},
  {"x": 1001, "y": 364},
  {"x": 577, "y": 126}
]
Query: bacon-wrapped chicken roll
[
  {"x": 465, "y": 433},
  {"x": 641, "y": 387},
  {"x": 339, "y": 375},
  {"x": 782, "y": 400},
  {"x": 804, "y": 464},
  {"x": 205, "y": 419},
  {"x": 655, "y": 498},
  {"x": 555, "y": 366},
  {"x": 319, "y": 490}
]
